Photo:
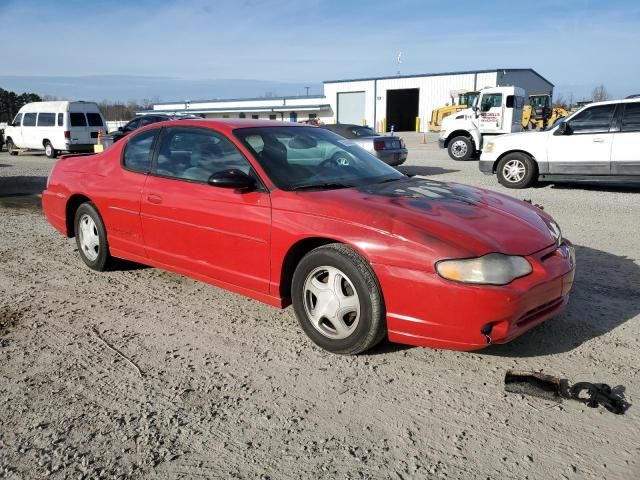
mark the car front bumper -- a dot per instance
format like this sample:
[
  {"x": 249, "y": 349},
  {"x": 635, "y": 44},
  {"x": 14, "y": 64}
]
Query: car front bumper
[
  {"x": 393, "y": 157},
  {"x": 441, "y": 142},
  {"x": 439, "y": 313}
]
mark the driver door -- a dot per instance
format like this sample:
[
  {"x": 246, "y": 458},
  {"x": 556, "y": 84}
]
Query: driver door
[
  {"x": 491, "y": 113},
  {"x": 190, "y": 225},
  {"x": 585, "y": 147}
]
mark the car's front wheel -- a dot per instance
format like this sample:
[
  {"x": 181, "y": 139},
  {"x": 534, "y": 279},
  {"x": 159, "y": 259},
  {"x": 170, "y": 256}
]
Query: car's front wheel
[
  {"x": 461, "y": 148},
  {"x": 517, "y": 170},
  {"x": 91, "y": 237},
  {"x": 338, "y": 301}
]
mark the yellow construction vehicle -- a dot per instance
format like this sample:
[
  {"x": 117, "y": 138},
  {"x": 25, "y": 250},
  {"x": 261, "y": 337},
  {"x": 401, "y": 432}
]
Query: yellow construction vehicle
[
  {"x": 465, "y": 100},
  {"x": 540, "y": 113}
]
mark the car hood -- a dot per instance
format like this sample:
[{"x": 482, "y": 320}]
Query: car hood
[
  {"x": 464, "y": 220},
  {"x": 517, "y": 138}
]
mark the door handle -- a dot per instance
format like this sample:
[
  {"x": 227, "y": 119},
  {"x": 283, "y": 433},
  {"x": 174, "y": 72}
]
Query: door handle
[
  {"x": 598, "y": 140},
  {"x": 152, "y": 198}
]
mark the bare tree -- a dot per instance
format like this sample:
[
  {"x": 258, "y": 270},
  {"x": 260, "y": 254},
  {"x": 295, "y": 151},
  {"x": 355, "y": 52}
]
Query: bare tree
[{"x": 600, "y": 94}]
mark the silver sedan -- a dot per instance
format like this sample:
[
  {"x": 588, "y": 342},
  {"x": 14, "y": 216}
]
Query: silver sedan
[{"x": 388, "y": 148}]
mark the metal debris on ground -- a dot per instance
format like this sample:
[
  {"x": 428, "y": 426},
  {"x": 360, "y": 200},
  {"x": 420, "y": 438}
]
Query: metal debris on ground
[{"x": 555, "y": 389}]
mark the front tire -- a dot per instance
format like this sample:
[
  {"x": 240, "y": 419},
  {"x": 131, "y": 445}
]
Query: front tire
[
  {"x": 11, "y": 148},
  {"x": 337, "y": 300},
  {"x": 91, "y": 237},
  {"x": 49, "y": 151},
  {"x": 517, "y": 170},
  {"x": 461, "y": 148}
]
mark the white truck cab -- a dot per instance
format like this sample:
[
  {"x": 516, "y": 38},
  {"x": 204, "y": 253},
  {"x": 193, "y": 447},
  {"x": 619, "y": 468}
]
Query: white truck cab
[
  {"x": 496, "y": 111},
  {"x": 599, "y": 142},
  {"x": 55, "y": 127}
]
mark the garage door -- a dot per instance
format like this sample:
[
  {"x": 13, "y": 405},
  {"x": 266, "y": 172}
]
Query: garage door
[{"x": 351, "y": 107}]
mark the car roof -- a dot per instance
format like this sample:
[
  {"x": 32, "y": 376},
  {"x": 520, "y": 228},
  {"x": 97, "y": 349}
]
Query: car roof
[
  {"x": 612, "y": 102},
  {"x": 225, "y": 125}
]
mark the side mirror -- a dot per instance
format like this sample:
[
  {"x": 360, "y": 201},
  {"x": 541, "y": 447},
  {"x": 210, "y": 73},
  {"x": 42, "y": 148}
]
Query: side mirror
[
  {"x": 232, "y": 178},
  {"x": 121, "y": 129},
  {"x": 563, "y": 129}
]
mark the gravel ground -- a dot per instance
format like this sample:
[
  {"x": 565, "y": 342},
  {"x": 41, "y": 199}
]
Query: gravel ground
[{"x": 139, "y": 373}]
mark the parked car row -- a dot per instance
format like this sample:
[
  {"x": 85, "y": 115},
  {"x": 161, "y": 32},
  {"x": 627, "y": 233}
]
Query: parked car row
[{"x": 599, "y": 142}]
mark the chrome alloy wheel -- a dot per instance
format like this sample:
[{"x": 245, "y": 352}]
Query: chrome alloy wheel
[
  {"x": 48, "y": 150},
  {"x": 514, "y": 171},
  {"x": 459, "y": 148},
  {"x": 331, "y": 302},
  {"x": 89, "y": 238}
]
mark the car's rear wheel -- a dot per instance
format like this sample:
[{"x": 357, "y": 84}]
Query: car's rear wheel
[
  {"x": 11, "y": 148},
  {"x": 49, "y": 150},
  {"x": 91, "y": 237},
  {"x": 517, "y": 170},
  {"x": 338, "y": 301},
  {"x": 461, "y": 148}
]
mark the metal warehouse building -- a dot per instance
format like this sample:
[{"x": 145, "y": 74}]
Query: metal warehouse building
[{"x": 403, "y": 102}]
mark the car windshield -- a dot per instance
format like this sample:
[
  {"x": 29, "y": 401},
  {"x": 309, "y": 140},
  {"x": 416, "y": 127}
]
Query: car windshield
[
  {"x": 363, "y": 132},
  {"x": 300, "y": 158}
]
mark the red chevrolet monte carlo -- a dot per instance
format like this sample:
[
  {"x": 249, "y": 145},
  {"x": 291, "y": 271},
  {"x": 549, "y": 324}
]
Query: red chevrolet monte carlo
[{"x": 287, "y": 213}]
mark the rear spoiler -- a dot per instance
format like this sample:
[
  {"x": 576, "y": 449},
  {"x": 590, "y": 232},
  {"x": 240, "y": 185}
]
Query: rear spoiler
[{"x": 73, "y": 155}]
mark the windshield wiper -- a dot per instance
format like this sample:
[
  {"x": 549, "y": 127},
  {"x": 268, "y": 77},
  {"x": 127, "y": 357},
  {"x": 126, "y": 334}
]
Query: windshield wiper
[{"x": 323, "y": 186}]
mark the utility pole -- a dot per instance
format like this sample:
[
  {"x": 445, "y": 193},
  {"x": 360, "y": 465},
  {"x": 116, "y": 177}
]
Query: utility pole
[{"x": 307, "y": 91}]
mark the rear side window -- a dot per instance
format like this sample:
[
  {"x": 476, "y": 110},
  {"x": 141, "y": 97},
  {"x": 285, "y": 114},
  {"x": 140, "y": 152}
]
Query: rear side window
[
  {"x": 593, "y": 119},
  {"x": 60, "y": 119},
  {"x": 95, "y": 120},
  {"x": 29, "y": 120},
  {"x": 631, "y": 119},
  {"x": 46, "y": 119},
  {"x": 77, "y": 119},
  {"x": 138, "y": 152}
]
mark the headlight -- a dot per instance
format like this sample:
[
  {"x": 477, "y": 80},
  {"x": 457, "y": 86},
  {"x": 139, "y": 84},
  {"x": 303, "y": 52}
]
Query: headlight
[
  {"x": 489, "y": 147},
  {"x": 491, "y": 269}
]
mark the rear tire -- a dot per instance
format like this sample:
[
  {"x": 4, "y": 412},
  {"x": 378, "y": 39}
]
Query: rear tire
[
  {"x": 49, "y": 151},
  {"x": 11, "y": 148},
  {"x": 461, "y": 148},
  {"x": 517, "y": 170},
  {"x": 338, "y": 301},
  {"x": 91, "y": 237}
]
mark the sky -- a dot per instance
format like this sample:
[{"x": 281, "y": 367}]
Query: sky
[{"x": 575, "y": 44}]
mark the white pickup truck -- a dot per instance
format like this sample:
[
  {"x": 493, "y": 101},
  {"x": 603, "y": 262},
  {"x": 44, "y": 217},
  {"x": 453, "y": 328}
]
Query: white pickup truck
[
  {"x": 496, "y": 111},
  {"x": 600, "y": 142}
]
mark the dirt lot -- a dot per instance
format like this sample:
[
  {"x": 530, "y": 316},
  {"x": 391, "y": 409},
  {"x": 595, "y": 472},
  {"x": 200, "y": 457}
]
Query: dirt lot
[{"x": 217, "y": 385}]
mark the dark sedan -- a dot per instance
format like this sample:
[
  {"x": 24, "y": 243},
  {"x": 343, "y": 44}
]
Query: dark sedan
[{"x": 388, "y": 148}]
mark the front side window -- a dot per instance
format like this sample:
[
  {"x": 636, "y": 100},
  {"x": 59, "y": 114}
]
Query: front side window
[
  {"x": 46, "y": 119},
  {"x": 491, "y": 100},
  {"x": 60, "y": 119},
  {"x": 95, "y": 120},
  {"x": 631, "y": 119},
  {"x": 138, "y": 152},
  {"x": 77, "y": 119},
  {"x": 297, "y": 158},
  {"x": 29, "y": 120},
  {"x": 17, "y": 120},
  {"x": 595, "y": 119},
  {"x": 195, "y": 154}
]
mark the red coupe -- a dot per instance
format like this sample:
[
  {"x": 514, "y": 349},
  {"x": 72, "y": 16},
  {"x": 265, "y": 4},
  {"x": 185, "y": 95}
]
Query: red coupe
[{"x": 287, "y": 213}]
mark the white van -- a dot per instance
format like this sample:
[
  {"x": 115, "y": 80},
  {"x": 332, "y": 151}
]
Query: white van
[{"x": 55, "y": 127}]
